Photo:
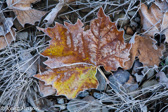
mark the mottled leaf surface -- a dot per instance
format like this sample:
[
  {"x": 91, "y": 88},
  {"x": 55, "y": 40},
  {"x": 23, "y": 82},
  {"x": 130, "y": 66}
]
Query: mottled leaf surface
[
  {"x": 70, "y": 80},
  {"x": 77, "y": 53}
]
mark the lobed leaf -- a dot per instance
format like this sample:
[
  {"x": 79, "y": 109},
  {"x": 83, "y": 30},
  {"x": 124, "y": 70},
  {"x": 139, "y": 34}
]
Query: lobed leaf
[{"x": 77, "y": 52}]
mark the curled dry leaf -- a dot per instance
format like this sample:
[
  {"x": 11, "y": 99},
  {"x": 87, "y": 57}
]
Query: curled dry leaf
[
  {"x": 154, "y": 19},
  {"x": 74, "y": 54},
  {"x": 24, "y": 12},
  {"x": 51, "y": 16},
  {"x": 145, "y": 49},
  {"x": 162, "y": 78}
]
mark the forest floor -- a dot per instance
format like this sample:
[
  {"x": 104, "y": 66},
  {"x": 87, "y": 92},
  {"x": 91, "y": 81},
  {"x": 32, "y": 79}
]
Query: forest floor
[{"x": 32, "y": 60}]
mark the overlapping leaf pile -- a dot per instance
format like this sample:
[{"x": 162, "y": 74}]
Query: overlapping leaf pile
[{"x": 74, "y": 54}]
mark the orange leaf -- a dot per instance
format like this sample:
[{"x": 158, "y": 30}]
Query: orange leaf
[{"x": 72, "y": 47}]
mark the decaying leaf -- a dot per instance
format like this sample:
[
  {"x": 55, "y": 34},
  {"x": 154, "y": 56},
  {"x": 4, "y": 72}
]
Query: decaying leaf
[
  {"x": 24, "y": 12},
  {"x": 74, "y": 54},
  {"x": 145, "y": 49},
  {"x": 7, "y": 39},
  {"x": 51, "y": 16},
  {"x": 5, "y": 24},
  {"x": 154, "y": 19}
]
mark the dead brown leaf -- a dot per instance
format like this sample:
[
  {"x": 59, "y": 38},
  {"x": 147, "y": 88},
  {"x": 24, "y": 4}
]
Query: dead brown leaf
[
  {"x": 154, "y": 19},
  {"x": 7, "y": 39},
  {"x": 145, "y": 49},
  {"x": 52, "y": 15},
  {"x": 24, "y": 12}
]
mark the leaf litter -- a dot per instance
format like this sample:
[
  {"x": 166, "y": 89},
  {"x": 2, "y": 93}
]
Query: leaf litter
[{"x": 83, "y": 60}]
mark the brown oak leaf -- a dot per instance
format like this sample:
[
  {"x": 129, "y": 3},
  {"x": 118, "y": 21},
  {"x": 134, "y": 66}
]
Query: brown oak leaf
[
  {"x": 145, "y": 49},
  {"x": 154, "y": 20},
  {"x": 24, "y": 12},
  {"x": 74, "y": 54}
]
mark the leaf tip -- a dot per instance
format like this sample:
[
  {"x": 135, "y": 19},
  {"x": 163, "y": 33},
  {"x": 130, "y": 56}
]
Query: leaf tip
[{"x": 101, "y": 13}]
